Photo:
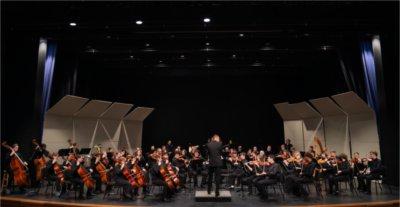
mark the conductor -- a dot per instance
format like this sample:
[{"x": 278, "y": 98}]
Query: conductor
[{"x": 214, "y": 148}]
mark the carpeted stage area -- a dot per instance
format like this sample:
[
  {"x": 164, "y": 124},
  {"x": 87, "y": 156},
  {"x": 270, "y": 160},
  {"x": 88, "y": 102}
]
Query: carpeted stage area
[{"x": 188, "y": 199}]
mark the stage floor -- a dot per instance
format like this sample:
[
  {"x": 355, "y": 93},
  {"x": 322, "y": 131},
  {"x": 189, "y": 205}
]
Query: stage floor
[{"x": 188, "y": 199}]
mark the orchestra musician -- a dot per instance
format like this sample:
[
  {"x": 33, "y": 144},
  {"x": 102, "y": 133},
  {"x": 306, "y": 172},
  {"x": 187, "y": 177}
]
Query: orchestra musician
[
  {"x": 197, "y": 168},
  {"x": 373, "y": 171},
  {"x": 340, "y": 172},
  {"x": 270, "y": 177},
  {"x": 256, "y": 168},
  {"x": 18, "y": 168},
  {"x": 159, "y": 175},
  {"x": 294, "y": 180}
]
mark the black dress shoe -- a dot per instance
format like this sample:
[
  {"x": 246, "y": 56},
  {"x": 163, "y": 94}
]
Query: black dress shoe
[{"x": 216, "y": 194}]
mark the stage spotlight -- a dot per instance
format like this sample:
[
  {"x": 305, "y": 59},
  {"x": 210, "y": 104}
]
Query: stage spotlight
[
  {"x": 139, "y": 22},
  {"x": 72, "y": 24},
  {"x": 206, "y": 20}
]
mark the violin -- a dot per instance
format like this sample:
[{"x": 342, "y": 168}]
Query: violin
[
  {"x": 39, "y": 163},
  {"x": 18, "y": 167}
]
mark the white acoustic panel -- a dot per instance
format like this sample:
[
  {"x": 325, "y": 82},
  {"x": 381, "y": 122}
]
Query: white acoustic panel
[
  {"x": 327, "y": 107},
  {"x": 67, "y": 106},
  {"x": 293, "y": 131},
  {"x": 305, "y": 111},
  {"x": 351, "y": 103},
  {"x": 116, "y": 111},
  {"x": 286, "y": 111},
  {"x": 93, "y": 109},
  {"x": 139, "y": 114}
]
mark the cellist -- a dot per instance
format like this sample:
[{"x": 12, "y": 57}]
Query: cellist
[
  {"x": 18, "y": 167},
  {"x": 38, "y": 160},
  {"x": 54, "y": 172}
]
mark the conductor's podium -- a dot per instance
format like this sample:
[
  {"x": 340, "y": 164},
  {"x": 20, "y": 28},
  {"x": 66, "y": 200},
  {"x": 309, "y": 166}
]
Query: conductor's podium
[{"x": 203, "y": 196}]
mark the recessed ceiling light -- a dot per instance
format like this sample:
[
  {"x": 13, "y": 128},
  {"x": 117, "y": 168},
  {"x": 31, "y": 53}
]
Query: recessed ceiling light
[
  {"x": 207, "y": 43},
  {"x": 241, "y": 35},
  {"x": 160, "y": 61},
  {"x": 131, "y": 57},
  {"x": 208, "y": 60},
  {"x": 139, "y": 22},
  {"x": 182, "y": 56},
  {"x": 72, "y": 24},
  {"x": 233, "y": 56},
  {"x": 206, "y": 20},
  {"x": 147, "y": 45}
]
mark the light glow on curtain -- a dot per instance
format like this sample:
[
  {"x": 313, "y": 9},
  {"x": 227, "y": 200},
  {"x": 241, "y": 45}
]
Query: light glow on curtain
[
  {"x": 50, "y": 58},
  {"x": 371, "y": 86}
]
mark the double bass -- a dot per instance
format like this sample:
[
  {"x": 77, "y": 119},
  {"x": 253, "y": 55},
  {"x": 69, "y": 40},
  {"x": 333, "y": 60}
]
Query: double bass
[
  {"x": 18, "y": 167},
  {"x": 39, "y": 163}
]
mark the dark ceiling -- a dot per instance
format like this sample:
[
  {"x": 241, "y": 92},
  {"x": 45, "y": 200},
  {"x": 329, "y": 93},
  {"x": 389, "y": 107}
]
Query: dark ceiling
[{"x": 270, "y": 36}]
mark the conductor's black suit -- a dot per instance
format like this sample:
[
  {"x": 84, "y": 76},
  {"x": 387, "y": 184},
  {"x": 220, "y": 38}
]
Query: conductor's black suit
[{"x": 214, "y": 149}]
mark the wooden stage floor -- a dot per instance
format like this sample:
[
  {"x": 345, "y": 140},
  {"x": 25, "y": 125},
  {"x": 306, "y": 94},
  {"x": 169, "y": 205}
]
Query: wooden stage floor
[{"x": 184, "y": 199}]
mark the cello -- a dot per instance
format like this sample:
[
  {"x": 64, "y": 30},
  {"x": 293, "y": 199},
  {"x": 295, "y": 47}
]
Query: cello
[
  {"x": 18, "y": 167},
  {"x": 102, "y": 170},
  {"x": 39, "y": 163},
  {"x": 126, "y": 173},
  {"x": 85, "y": 176},
  {"x": 57, "y": 169}
]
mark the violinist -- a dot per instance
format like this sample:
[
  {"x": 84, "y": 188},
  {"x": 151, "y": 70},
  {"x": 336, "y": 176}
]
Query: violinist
[
  {"x": 258, "y": 168},
  {"x": 18, "y": 167},
  {"x": 374, "y": 170},
  {"x": 356, "y": 162},
  {"x": 196, "y": 168},
  {"x": 294, "y": 181},
  {"x": 341, "y": 172},
  {"x": 271, "y": 176},
  {"x": 237, "y": 163},
  {"x": 179, "y": 161}
]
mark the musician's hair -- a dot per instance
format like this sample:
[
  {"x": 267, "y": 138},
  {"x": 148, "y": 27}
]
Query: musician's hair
[
  {"x": 374, "y": 152},
  {"x": 272, "y": 157},
  {"x": 15, "y": 144}
]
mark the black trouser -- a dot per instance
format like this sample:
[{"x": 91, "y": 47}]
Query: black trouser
[
  {"x": 364, "y": 181},
  {"x": 195, "y": 173},
  {"x": 236, "y": 174},
  {"x": 167, "y": 192},
  {"x": 262, "y": 185},
  {"x": 294, "y": 184},
  {"x": 126, "y": 186},
  {"x": 216, "y": 171},
  {"x": 333, "y": 181}
]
